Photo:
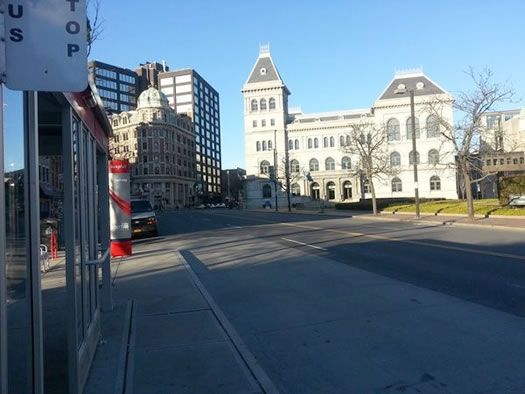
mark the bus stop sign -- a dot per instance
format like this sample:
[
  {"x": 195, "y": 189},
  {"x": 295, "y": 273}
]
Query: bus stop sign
[{"x": 45, "y": 45}]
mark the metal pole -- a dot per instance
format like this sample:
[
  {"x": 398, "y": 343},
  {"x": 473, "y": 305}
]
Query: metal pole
[
  {"x": 275, "y": 167},
  {"x": 3, "y": 282},
  {"x": 228, "y": 173},
  {"x": 287, "y": 169},
  {"x": 413, "y": 121}
]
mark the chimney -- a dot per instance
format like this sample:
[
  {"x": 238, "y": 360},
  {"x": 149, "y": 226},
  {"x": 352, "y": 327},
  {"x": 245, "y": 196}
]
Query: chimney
[{"x": 164, "y": 65}]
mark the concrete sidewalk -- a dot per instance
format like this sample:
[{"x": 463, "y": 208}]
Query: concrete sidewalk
[
  {"x": 513, "y": 223},
  {"x": 166, "y": 334}
]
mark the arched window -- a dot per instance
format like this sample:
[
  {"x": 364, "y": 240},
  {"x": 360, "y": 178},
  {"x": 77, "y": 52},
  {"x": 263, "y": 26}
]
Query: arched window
[
  {"x": 270, "y": 145},
  {"x": 347, "y": 190},
  {"x": 314, "y": 165},
  {"x": 290, "y": 144},
  {"x": 316, "y": 143},
  {"x": 265, "y": 167},
  {"x": 346, "y": 163},
  {"x": 255, "y": 107},
  {"x": 294, "y": 166},
  {"x": 435, "y": 183},
  {"x": 392, "y": 130},
  {"x": 272, "y": 103},
  {"x": 409, "y": 128},
  {"x": 115, "y": 122},
  {"x": 309, "y": 143},
  {"x": 329, "y": 164},
  {"x": 432, "y": 127},
  {"x": 296, "y": 144},
  {"x": 325, "y": 142},
  {"x": 342, "y": 140},
  {"x": 332, "y": 142},
  {"x": 395, "y": 159},
  {"x": 411, "y": 158},
  {"x": 267, "y": 191},
  {"x": 264, "y": 145},
  {"x": 315, "y": 189},
  {"x": 397, "y": 185},
  {"x": 330, "y": 188},
  {"x": 296, "y": 189},
  {"x": 263, "y": 104},
  {"x": 124, "y": 120},
  {"x": 258, "y": 146},
  {"x": 347, "y": 142},
  {"x": 433, "y": 157}
]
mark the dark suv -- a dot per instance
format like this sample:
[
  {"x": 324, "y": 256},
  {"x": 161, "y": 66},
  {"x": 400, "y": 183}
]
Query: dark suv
[{"x": 143, "y": 219}]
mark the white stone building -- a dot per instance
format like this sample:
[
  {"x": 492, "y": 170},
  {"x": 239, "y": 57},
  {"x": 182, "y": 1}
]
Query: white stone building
[
  {"x": 160, "y": 146},
  {"x": 316, "y": 142}
]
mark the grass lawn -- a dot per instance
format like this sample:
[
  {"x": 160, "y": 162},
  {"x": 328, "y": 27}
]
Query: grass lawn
[{"x": 481, "y": 207}]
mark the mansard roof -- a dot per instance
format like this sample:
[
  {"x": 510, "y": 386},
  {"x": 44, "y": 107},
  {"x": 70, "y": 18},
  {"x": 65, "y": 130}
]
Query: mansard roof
[{"x": 419, "y": 82}]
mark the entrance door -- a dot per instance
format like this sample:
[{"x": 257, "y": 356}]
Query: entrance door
[
  {"x": 347, "y": 190},
  {"x": 316, "y": 195}
]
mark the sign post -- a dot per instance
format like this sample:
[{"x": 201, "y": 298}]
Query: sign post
[{"x": 119, "y": 208}]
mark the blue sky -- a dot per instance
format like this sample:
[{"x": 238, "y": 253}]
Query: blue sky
[{"x": 332, "y": 55}]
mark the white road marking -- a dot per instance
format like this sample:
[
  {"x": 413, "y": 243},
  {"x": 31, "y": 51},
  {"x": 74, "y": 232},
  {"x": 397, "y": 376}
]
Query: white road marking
[
  {"x": 231, "y": 225},
  {"x": 304, "y": 244}
]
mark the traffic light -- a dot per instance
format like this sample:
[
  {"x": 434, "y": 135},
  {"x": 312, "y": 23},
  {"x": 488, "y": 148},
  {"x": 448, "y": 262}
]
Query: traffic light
[{"x": 272, "y": 173}]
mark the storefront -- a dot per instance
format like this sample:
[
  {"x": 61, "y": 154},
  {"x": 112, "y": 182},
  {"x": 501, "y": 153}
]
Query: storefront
[{"x": 54, "y": 198}]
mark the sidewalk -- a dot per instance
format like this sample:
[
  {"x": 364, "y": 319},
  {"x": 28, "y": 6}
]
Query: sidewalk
[
  {"x": 513, "y": 223},
  {"x": 165, "y": 335}
]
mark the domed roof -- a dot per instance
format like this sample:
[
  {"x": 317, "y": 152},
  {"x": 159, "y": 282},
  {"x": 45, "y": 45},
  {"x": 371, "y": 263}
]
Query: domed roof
[{"x": 152, "y": 98}]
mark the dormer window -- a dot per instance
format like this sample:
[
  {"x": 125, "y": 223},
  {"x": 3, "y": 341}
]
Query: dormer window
[{"x": 263, "y": 71}]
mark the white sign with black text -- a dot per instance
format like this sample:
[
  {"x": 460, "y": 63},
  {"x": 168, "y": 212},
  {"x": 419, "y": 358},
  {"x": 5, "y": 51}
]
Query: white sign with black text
[{"x": 45, "y": 45}]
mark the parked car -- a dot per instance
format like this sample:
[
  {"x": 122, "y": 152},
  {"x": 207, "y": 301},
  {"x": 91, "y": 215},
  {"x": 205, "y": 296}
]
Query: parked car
[{"x": 143, "y": 219}]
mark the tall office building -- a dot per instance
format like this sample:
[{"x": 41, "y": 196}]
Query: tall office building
[
  {"x": 148, "y": 75},
  {"x": 116, "y": 86},
  {"x": 189, "y": 93}
]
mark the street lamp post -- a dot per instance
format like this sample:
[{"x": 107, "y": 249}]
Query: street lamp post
[{"x": 402, "y": 90}]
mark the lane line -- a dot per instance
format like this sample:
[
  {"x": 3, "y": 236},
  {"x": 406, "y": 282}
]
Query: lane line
[
  {"x": 393, "y": 239},
  {"x": 413, "y": 242},
  {"x": 304, "y": 244},
  {"x": 231, "y": 225}
]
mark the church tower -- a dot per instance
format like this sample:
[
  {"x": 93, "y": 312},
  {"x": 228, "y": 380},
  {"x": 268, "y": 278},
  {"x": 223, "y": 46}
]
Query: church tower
[{"x": 265, "y": 115}]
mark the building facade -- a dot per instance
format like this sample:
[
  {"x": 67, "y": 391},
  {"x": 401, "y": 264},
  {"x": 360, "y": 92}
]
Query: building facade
[
  {"x": 160, "y": 146},
  {"x": 320, "y": 166},
  {"x": 188, "y": 93},
  {"x": 117, "y": 86}
]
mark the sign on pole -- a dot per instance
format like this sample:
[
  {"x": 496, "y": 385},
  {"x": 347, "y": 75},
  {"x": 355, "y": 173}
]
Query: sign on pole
[{"x": 45, "y": 45}]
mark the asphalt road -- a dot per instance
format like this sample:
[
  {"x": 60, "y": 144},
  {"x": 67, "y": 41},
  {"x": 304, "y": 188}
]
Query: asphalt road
[{"x": 338, "y": 304}]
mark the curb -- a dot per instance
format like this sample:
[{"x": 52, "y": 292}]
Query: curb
[{"x": 447, "y": 223}]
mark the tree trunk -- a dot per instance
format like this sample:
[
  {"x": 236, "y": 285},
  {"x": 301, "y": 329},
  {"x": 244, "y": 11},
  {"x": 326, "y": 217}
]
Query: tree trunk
[
  {"x": 468, "y": 191},
  {"x": 373, "y": 190}
]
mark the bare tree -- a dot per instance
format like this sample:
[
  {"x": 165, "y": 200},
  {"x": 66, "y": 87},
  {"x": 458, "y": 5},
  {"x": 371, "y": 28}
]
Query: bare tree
[
  {"x": 470, "y": 138},
  {"x": 368, "y": 142},
  {"x": 94, "y": 23}
]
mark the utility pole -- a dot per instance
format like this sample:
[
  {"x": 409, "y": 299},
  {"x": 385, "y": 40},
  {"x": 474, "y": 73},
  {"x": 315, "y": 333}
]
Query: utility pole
[
  {"x": 275, "y": 168},
  {"x": 287, "y": 169},
  {"x": 413, "y": 120}
]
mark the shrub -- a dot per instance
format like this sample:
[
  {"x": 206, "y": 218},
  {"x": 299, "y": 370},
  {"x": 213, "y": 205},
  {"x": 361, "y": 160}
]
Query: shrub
[{"x": 508, "y": 185}]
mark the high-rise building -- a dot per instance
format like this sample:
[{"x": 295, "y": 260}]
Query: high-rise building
[
  {"x": 116, "y": 86},
  {"x": 148, "y": 75},
  {"x": 189, "y": 93}
]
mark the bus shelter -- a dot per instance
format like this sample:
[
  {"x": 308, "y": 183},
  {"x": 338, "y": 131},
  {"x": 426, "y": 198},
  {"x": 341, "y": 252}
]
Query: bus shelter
[{"x": 54, "y": 238}]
